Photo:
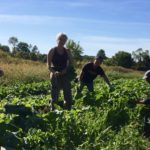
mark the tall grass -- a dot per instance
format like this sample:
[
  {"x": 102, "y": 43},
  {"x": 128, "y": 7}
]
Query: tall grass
[
  {"x": 113, "y": 71},
  {"x": 116, "y": 72},
  {"x": 16, "y": 69}
]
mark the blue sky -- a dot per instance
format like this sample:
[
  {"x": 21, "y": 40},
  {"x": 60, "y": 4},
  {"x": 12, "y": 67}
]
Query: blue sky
[{"x": 111, "y": 25}]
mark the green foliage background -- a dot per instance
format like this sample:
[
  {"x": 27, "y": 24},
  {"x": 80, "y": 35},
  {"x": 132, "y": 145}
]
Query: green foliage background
[{"x": 100, "y": 120}]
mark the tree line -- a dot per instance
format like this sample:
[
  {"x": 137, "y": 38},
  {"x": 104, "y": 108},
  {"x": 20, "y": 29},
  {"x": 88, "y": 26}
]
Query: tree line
[
  {"x": 138, "y": 59},
  {"x": 23, "y": 50}
]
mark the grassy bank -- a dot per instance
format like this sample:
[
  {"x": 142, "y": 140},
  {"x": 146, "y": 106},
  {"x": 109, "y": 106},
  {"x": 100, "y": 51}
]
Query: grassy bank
[
  {"x": 17, "y": 69},
  {"x": 114, "y": 72}
]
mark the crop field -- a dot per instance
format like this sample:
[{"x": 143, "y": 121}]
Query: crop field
[{"x": 102, "y": 120}]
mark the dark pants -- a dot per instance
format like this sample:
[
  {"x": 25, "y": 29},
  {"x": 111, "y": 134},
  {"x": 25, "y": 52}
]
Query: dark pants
[
  {"x": 88, "y": 85},
  {"x": 58, "y": 83},
  {"x": 147, "y": 124}
]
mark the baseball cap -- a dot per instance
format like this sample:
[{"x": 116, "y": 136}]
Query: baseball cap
[{"x": 146, "y": 75}]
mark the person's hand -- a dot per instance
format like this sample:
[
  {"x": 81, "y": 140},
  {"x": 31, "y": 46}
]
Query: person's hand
[
  {"x": 111, "y": 87},
  {"x": 57, "y": 74},
  {"x": 77, "y": 79}
]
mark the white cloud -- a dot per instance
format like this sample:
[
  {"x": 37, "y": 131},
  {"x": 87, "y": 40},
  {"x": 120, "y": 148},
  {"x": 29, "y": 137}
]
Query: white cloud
[
  {"x": 111, "y": 45},
  {"x": 116, "y": 40},
  {"x": 34, "y": 19},
  {"x": 27, "y": 19},
  {"x": 78, "y": 4},
  {"x": 90, "y": 43}
]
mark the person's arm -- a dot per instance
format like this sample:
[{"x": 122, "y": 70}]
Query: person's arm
[
  {"x": 84, "y": 71},
  {"x": 49, "y": 60},
  {"x": 140, "y": 102},
  {"x": 81, "y": 75},
  {"x": 145, "y": 101},
  {"x": 106, "y": 80}
]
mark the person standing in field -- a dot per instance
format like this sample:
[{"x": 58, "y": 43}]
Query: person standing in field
[
  {"x": 59, "y": 59},
  {"x": 146, "y": 102},
  {"x": 89, "y": 73},
  {"x": 147, "y": 78}
]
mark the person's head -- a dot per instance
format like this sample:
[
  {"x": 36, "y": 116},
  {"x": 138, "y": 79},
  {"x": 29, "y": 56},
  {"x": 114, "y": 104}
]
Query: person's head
[
  {"x": 98, "y": 61},
  {"x": 147, "y": 76},
  {"x": 61, "y": 39}
]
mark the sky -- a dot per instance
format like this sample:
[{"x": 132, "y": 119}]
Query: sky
[{"x": 112, "y": 25}]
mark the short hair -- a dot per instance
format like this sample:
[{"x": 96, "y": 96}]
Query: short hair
[
  {"x": 60, "y": 35},
  {"x": 100, "y": 58}
]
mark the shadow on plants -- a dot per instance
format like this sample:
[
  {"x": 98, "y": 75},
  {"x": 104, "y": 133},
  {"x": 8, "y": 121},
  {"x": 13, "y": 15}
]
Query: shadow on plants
[
  {"x": 17, "y": 109},
  {"x": 26, "y": 118},
  {"x": 117, "y": 118},
  {"x": 10, "y": 140},
  {"x": 90, "y": 99}
]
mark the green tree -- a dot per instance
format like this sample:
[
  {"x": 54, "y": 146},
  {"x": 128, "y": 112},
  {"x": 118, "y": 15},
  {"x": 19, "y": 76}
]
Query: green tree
[
  {"x": 23, "y": 50},
  {"x": 110, "y": 61},
  {"x": 4, "y": 48},
  {"x": 139, "y": 54},
  {"x": 35, "y": 49},
  {"x": 123, "y": 59},
  {"x": 34, "y": 55},
  {"x": 142, "y": 59},
  {"x": 23, "y": 47},
  {"x": 101, "y": 53},
  {"x": 75, "y": 48},
  {"x": 13, "y": 40},
  {"x": 88, "y": 58},
  {"x": 42, "y": 58}
]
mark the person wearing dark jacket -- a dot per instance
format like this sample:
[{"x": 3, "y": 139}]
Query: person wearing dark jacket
[
  {"x": 59, "y": 59},
  {"x": 89, "y": 73}
]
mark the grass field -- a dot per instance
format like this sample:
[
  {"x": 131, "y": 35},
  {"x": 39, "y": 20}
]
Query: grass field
[
  {"x": 17, "y": 69},
  {"x": 102, "y": 120}
]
